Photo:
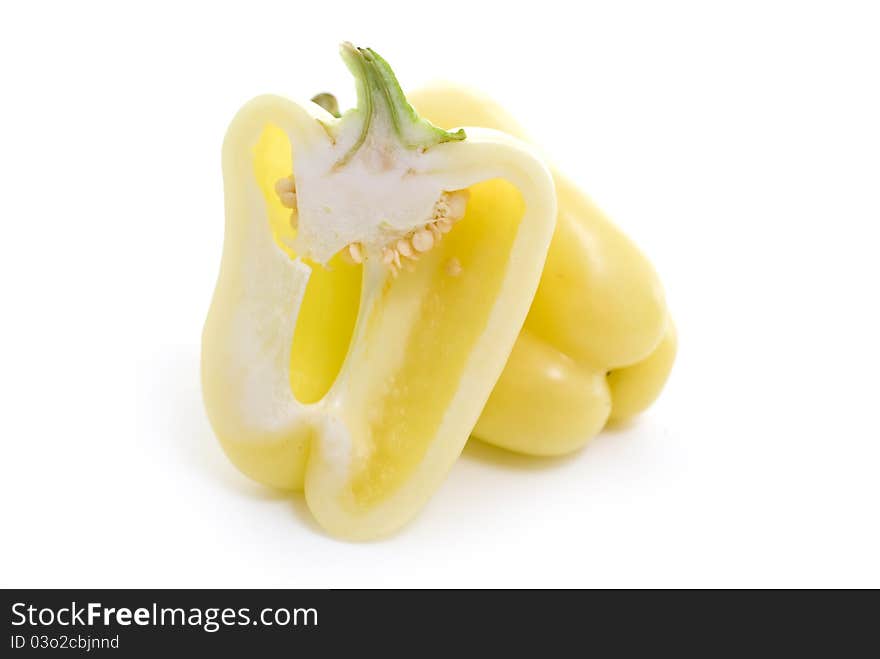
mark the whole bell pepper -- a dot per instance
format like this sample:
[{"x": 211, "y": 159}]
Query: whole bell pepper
[
  {"x": 376, "y": 272},
  {"x": 598, "y": 343}
]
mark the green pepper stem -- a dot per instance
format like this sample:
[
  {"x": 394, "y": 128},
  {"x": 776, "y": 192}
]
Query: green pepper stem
[
  {"x": 378, "y": 91},
  {"x": 328, "y": 102}
]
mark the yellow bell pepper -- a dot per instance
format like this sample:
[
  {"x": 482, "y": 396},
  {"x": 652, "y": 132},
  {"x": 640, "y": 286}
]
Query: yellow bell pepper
[
  {"x": 598, "y": 343},
  {"x": 376, "y": 271}
]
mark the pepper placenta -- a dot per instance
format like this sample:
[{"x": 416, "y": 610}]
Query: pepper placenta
[
  {"x": 376, "y": 272},
  {"x": 598, "y": 343}
]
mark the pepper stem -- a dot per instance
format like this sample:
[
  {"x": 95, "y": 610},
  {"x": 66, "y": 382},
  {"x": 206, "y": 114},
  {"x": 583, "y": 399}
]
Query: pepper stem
[
  {"x": 328, "y": 102},
  {"x": 378, "y": 92}
]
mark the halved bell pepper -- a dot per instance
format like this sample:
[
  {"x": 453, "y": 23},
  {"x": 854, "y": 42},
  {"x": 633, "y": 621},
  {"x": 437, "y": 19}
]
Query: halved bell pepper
[
  {"x": 376, "y": 271},
  {"x": 598, "y": 343}
]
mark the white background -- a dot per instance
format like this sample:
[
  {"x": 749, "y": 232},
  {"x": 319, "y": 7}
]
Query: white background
[{"x": 738, "y": 143}]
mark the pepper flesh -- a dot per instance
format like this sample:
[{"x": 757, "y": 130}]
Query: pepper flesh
[
  {"x": 598, "y": 344},
  {"x": 340, "y": 379}
]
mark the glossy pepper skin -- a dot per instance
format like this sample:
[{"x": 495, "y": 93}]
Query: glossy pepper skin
[
  {"x": 598, "y": 344},
  {"x": 376, "y": 271}
]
